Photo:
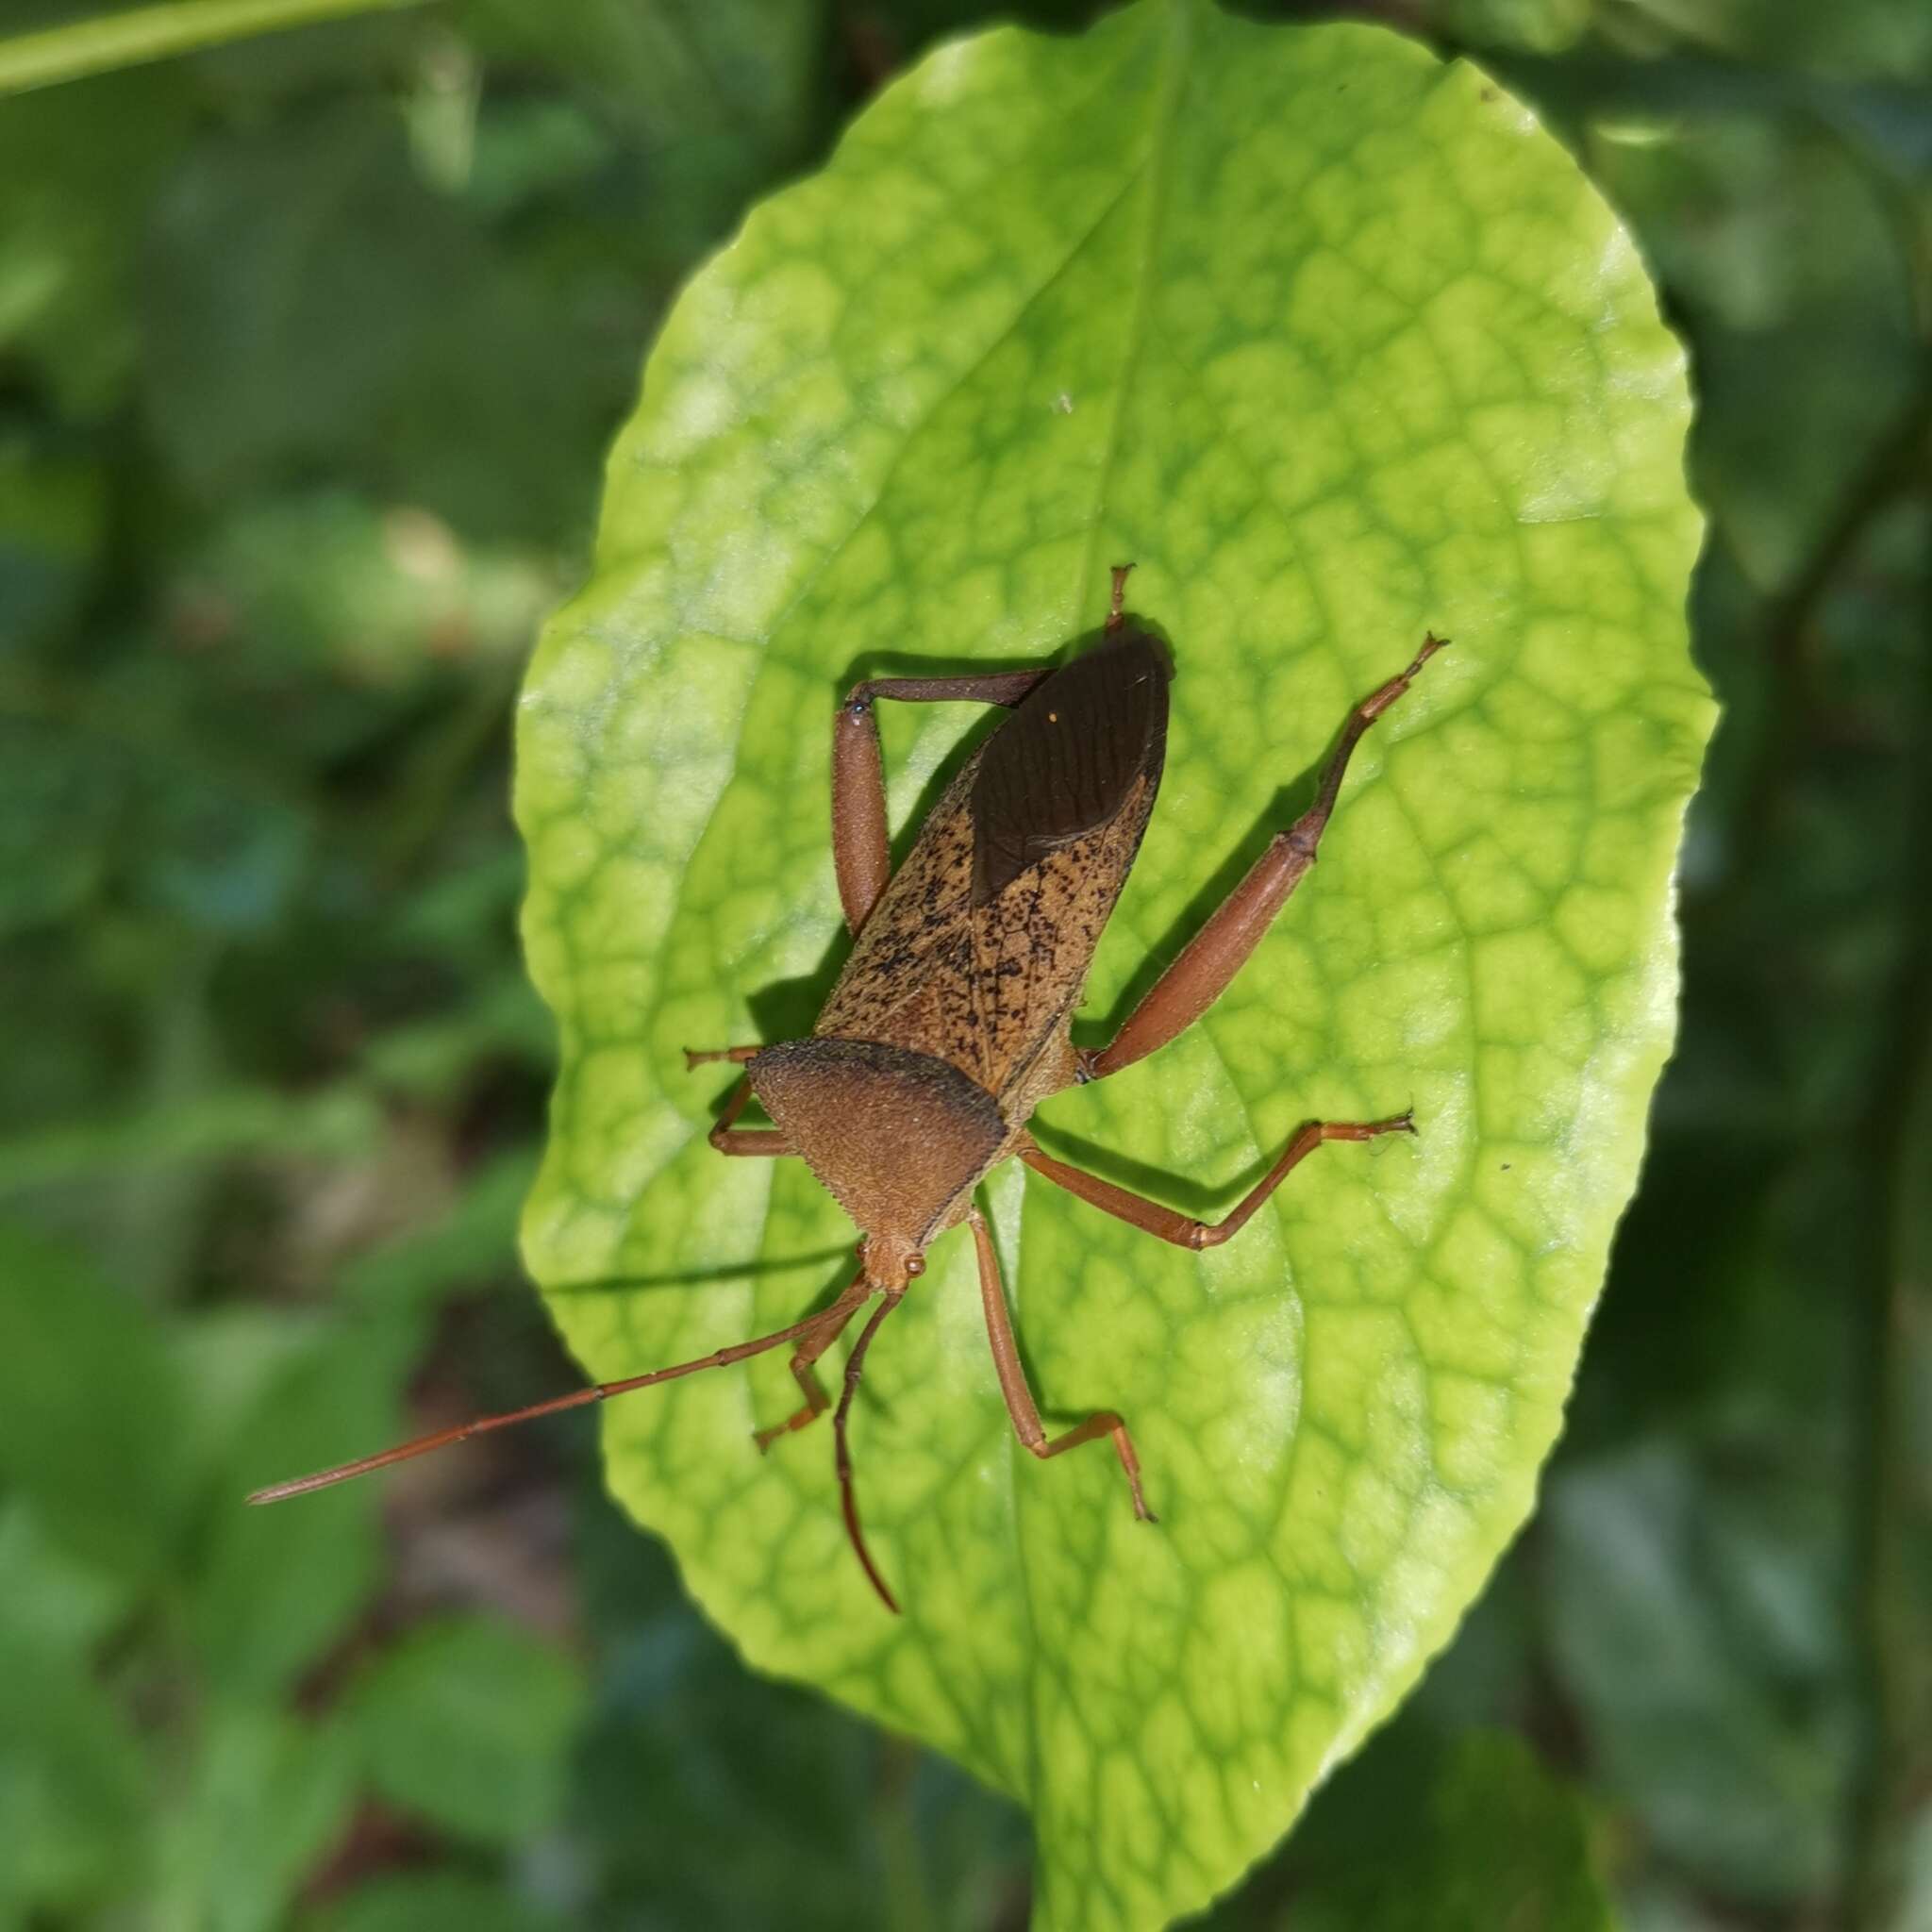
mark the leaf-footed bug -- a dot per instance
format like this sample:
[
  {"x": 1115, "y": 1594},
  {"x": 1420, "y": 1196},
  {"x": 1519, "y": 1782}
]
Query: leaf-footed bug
[{"x": 950, "y": 1022}]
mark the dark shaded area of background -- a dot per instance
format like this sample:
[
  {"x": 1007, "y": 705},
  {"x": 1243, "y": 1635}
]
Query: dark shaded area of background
[{"x": 308, "y": 353}]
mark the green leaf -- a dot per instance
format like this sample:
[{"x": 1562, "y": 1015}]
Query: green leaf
[
  {"x": 91, "y": 1410},
  {"x": 298, "y": 319},
  {"x": 83, "y": 169},
  {"x": 1795, "y": 279},
  {"x": 689, "y": 1761},
  {"x": 59, "y": 797},
  {"x": 1490, "y": 1840},
  {"x": 468, "y": 1723},
  {"x": 53, "y": 527},
  {"x": 277, "y": 1585},
  {"x": 715, "y": 99},
  {"x": 72, "y": 1792},
  {"x": 430, "y": 1902},
  {"x": 266, "y": 1797},
  {"x": 269, "y": 250},
  {"x": 1337, "y": 346},
  {"x": 52, "y": 1599},
  {"x": 1697, "y": 1646}
]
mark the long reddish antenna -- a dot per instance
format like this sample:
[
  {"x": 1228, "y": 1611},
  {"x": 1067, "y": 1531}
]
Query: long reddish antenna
[
  {"x": 579, "y": 1398},
  {"x": 855, "y": 1362}
]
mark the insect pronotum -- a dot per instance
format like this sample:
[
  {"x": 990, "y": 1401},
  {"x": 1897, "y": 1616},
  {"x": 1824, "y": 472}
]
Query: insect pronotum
[{"x": 950, "y": 1022}]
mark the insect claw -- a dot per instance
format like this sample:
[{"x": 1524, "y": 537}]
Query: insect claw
[{"x": 1431, "y": 644}]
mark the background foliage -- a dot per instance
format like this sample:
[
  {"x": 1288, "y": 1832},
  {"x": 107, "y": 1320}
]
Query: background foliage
[{"x": 309, "y": 347}]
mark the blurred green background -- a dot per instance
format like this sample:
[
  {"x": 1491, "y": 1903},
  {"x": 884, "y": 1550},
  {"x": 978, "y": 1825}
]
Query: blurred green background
[{"x": 310, "y": 348}]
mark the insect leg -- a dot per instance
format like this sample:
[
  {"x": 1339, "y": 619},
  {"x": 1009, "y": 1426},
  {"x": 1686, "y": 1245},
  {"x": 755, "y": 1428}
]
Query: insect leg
[
  {"x": 859, "y": 851},
  {"x": 1013, "y": 1374},
  {"x": 578, "y": 1398},
  {"x": 1183, "y": 1230},
  {"x": 1200, "y": 974},
  {"x": 833, "y": 1323},
  {"x": 726, "y": 1138}
]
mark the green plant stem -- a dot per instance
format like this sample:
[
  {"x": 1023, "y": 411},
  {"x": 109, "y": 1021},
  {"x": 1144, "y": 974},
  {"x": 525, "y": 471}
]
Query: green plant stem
[{"x": 157, "y": 33}]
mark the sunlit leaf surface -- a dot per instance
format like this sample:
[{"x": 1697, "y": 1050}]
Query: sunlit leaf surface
[{"x": 1335, "y": 344}]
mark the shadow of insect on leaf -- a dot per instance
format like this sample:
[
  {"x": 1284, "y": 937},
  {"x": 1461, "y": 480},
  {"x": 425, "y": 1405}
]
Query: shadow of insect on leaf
[
  {"x": 696, "y": 1278},
  {"x": 1141, "y": 1176}
]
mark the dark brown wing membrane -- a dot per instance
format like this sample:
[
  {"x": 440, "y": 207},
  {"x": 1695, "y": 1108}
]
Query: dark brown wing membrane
[{"x": 1066, "y": 760}]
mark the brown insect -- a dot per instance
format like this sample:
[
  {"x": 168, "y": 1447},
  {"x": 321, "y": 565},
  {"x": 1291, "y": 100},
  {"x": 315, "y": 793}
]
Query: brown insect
[{"x": 950, "y": 1023}]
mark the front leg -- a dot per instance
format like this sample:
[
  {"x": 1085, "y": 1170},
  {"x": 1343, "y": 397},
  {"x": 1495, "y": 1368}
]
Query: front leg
[
  {"x": 832, "y": 1325},
  {"x": 1200, "y": 974},
  {"x": 726, "y": 1137}
]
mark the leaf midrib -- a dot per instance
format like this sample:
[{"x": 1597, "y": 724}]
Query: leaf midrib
[{"x": 1153, "y": 171}]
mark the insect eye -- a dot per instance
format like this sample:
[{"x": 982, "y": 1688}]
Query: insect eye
[{"x": 915, "y": 1264}]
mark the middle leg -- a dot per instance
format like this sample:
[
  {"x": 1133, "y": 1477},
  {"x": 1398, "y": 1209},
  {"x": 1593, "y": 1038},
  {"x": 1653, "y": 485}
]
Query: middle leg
[
  {"x": 727, "y": 1138},
  {"x": 1183, "y": 1230},
  {"x": 832, "y": 1325}
]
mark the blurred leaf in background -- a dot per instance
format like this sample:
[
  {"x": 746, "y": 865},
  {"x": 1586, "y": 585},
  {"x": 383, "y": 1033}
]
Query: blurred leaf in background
[
  {"x": 1451, "y": 1836},
  {"x": 310, "y": 349}
]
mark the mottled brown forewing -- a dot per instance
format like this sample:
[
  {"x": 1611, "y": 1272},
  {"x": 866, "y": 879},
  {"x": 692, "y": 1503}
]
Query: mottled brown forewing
[
  {"x": 982, "y": 941},
  {"x": 1033, "y": 944},
  {"x": 908, "y": 980}
]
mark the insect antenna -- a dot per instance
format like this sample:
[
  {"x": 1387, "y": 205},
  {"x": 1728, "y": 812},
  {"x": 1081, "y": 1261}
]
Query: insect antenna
[
  {"x": 579, "y": 1398},
  {"x": 848, "y": 1500}
]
